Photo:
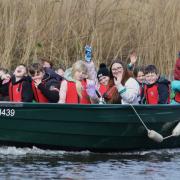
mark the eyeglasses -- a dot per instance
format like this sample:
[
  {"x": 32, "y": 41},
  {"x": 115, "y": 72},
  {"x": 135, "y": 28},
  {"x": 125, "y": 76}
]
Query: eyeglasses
[{"x": 117, "y": 69}]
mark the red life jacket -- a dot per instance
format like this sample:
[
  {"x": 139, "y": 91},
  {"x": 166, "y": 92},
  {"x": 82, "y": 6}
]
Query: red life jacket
[
  {"x": 15, "y": 92},
  {"x": 39, "y": 97},
  {"x": 151, "y": 94},
  {"x": 103, "y": 89},
  {"x": 177, "y": 97},
  {"x": 72, "y": 95}
]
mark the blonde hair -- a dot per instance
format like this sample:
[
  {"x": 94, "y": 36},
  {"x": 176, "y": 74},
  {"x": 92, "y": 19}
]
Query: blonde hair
[{"x": 81, "y": 67}]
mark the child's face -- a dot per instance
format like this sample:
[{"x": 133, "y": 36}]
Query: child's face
[
  {"x": 46, "y": 64},
  {"x": 60, "y": 72},
  {"x": 104, "y": 80},
  {"x": 79, "y": 75},
  {"x": 20, "y": 71},
  {"x": 140, "y": 77},
  {"x": 38, "y": 75},
  {"x": 151, "y": 78}
]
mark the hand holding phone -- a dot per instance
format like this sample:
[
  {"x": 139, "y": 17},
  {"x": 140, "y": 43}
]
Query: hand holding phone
[{"x": 88, "y": 53}]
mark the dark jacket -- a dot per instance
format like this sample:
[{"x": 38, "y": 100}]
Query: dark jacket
[
  {"x": 4, "y": 91},
  {"x": 51, "y": 80},
  {"x": 26, "y": 88}
]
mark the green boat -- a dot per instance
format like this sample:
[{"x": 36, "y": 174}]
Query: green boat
[{"x": 99, "y": 128}]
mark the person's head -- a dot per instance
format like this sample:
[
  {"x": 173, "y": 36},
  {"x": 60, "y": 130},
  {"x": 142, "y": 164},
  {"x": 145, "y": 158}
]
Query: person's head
[
  {"x": 79, "y": 71},
  {"x": 36, "y": 71},
  {"x": 3, "y": 71},
  {"x": 20, "y": 71},
  {"x": 118, "y": 68},
  {"x": 60, "y": 71},
  {"x": 151, "y": 74},
  {"x": 103, "y": 75},
  {"x": 139, "y": 74},
  {"x": 46, "y": 63}
]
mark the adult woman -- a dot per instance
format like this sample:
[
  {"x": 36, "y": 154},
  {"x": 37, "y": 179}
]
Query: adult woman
[{"x": 123, "y": 88}]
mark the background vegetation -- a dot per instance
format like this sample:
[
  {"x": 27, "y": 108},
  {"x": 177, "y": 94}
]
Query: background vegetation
[{"x": 59, "y": 29}]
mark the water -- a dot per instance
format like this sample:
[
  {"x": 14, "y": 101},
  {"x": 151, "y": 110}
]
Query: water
[{"x": 26, "y": 163}]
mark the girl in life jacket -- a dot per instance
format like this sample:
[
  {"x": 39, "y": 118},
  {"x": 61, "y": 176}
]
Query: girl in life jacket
[
  {"x": 156, "y": 89},
  {"x": 138, "y": 73},
  {"x": 77, "y": 88},
  {"x": 20, "y": 85},
  {"x": 103, "y": 77},
  {"x": 175, "y": 85},
  {"x": 44, "y": 89}
]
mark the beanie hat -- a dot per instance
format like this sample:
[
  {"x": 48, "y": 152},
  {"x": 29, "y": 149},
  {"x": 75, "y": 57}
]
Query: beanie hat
[{"x": 103, "y": 71}]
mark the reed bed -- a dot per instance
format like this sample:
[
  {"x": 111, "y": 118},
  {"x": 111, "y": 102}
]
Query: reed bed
[{"x": 59, "y": 30}]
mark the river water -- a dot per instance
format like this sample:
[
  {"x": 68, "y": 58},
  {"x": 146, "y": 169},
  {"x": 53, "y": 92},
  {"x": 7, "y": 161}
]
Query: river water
[{"x": 34, "y": 163}]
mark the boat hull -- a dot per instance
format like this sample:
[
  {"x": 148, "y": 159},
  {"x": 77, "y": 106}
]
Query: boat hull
[{"x": 104, "y": 128}]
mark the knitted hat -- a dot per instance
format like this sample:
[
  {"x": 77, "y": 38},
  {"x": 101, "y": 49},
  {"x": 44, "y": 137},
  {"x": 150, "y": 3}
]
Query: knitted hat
[{"x": 103, "y": 71}]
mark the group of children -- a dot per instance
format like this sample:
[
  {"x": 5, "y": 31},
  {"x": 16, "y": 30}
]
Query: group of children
[{"x": 81, "y": 84}]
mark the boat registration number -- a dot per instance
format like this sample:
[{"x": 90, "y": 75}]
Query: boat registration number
[{"x": 7, "y": 112}]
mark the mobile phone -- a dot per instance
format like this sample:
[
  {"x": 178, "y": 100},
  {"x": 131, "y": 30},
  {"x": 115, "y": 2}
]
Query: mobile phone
[{"x": 88, "y": 53}]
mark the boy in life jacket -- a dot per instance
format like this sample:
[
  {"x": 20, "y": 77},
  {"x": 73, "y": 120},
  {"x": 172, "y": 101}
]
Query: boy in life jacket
[
  {"x": 175, "y": 85},
  {"x": 77, "y": 88},
  {"x": 156, "y": 89},
  {"x": 20, "y": 85},
  {"x": 45, "y": 88}
]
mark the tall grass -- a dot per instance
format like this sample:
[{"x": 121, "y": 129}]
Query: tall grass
[{"x": 59, "y": 29}]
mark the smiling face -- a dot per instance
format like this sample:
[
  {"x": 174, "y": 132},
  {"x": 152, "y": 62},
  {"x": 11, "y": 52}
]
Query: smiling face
[
  {"x": 117, "y": 69},
  {"x": 151, "y": 78},
  {"x": 20, "y": 71},
  {"x": 140, "y": 77},
  {"x": 79, "y": 75},
  {"x": 104, "y": 80}
]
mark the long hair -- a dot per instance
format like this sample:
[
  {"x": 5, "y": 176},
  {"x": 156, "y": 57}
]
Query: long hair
[
  {"x": 126, "y": 75},
  {"x": 116, "y": 98},
  {"x": 81, "y": 67}
]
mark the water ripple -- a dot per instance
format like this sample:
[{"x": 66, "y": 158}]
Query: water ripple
[{"x": 34, "y": 163}]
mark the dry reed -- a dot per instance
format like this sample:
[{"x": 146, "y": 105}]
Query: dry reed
[{"x": 59, "y": 29}]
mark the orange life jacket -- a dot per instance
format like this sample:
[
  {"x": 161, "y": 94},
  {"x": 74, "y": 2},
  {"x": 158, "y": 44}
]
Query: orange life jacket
[
  {"x": 15, "y": 92},
  {"x": 39, "y": 97},
  {"x": 72, "y": 95}
]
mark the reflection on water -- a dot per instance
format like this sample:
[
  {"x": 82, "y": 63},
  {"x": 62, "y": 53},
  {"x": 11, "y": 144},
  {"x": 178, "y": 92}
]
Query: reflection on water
[{"x": 26, "y": 163}]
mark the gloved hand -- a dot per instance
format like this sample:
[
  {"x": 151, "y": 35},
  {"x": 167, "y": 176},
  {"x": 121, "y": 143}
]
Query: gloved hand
[{"x": 91, "y": 90}]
